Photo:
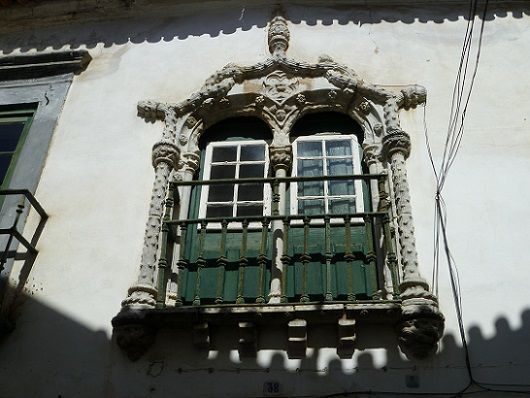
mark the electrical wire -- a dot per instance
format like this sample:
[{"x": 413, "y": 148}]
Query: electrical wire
[{"x": 455, "y": 134}]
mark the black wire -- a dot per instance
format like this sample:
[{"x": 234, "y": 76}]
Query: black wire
[{"x": 453, "y": 142}]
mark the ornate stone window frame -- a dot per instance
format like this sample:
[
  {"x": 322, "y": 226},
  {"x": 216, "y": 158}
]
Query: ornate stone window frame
[{"x": 289, "y": 90}]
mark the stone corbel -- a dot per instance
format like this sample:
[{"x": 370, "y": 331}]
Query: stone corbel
[
  {"x": 421, "y": 324},
  {"x": 248, "y": 339},
  {"x": 133, "y": 335},
  {"x": 201, "y": 335},
  {"x": 297, "y": 338},
  {"x": 347, "y": 336}
]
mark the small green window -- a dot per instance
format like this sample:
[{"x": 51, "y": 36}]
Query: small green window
[{"x": 14, "y": 126}]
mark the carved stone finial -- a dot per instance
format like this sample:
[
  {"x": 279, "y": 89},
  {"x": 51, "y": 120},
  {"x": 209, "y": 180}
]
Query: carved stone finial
[{"x": 278, "y": 35}]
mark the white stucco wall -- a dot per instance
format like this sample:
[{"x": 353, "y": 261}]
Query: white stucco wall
[{"x": 97, "y": 180}]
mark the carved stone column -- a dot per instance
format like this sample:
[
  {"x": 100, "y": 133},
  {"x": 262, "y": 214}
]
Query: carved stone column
[
  {"x": 188, "y": 165},
  {"x": 371, "y": 158},
  {"x": 421, "y": 325},
  {"x": 281, "y": 160},
  {"x": 143, "y": 294}
]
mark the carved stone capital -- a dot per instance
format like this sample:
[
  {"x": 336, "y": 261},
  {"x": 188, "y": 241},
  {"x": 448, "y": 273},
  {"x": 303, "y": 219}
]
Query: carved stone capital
[
  {"x": 167, "y": 152},
  {"x": 140, "y": 296},
  {"x": 281, "y": 157},
  {"x": 413, "y": 96},
  {"x": 420, "y": 328},
  {"x": 396, "y": 141},
  {"x": 133, "y": 335},
  {"x": 189, "y": 162},
  {"x": 371, "y": 153},
  {"x": 278, "y": 36}
]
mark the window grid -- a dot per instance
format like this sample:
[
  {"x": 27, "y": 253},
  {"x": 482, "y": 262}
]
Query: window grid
[
  {"x": 236, "y": 202},
  {"x": 9, "y": 152},
  {"x": 324, "y": 140}
]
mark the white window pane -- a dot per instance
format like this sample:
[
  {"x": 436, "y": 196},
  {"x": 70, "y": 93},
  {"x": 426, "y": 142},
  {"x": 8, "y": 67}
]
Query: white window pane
[
  {"x": 219, "y": 211},
  {"x": 249, "y": 210},
  {"x": 342, "y": 206},
  {"x": 340, "y": 167},
  {"x": 251, "y": 170},
  {"x": 221, "y": 193},
  {"x": 223, "y": 171},
  {"x": 224, "y": 154},
  {"x": 310, "y": 168},
  {"x": 250, "y": 192},
  {"x": 338, "y": 148},
  {"x": 311, "y": 206},
  {"x": 310, "y": 148},
  {"x": 252, "y": 152}
]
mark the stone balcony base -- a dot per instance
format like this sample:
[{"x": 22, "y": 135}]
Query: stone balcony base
[{"x": 135, "y": 330}]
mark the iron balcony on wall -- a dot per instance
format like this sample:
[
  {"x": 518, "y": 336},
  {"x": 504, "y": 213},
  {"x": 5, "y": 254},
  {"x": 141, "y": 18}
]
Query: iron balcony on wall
[{"x": 346, "y": 259}]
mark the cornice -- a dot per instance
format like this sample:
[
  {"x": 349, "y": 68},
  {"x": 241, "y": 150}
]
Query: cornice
[
  {"x": 15, "y": 67},
  {"x": 46, "y": 12}
]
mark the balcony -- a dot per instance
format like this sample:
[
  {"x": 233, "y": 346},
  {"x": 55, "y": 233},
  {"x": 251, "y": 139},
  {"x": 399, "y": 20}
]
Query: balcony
[
  {"x": 16, "y": 204},
  {"x": 15, "y": 209},
  {"x": 228, "y": 267}
]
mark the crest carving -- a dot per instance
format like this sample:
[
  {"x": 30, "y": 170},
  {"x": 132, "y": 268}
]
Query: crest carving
[{"x": 278, "y": 86}]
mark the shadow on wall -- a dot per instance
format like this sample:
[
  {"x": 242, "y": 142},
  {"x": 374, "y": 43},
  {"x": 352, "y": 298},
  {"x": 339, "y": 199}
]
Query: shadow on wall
[
  {"x": 140, "y": 27},
  {"x": 51, "y": 354}
]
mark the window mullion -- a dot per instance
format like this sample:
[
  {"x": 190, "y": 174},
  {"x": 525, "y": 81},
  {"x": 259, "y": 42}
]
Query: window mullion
[
  {"x": 325, "y": 172},
  {"x": 236, "y": 186}
]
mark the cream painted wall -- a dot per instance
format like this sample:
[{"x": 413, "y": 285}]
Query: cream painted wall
[{"x": 96, "y": 187}]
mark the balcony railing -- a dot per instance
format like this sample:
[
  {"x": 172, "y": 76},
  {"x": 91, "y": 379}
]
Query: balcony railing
[
  {"x": 317, "y": 258},
  {"x": 15, "y": 202}
]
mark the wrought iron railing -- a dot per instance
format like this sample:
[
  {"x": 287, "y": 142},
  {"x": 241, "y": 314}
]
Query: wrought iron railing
[
  {"x": 12, "y": 217},
  {"x": 350, "y": 250}
]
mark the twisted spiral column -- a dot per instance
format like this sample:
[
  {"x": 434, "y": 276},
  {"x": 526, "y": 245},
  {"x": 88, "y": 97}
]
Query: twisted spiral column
[
  {"x": 422, "y": 323},
  {"x": 143, "y": 293}
]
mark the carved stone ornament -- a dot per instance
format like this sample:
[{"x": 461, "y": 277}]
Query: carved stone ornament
[
  {"x": 278, "y": 86},
  {"x": 134, "y": 339},
  {"x": 281, "y": 157},
  {"x": 420, "y": 328},
  {"x": 165, "y": 151},
  {"x": 396, "y": 141},
  {"x": 278, "y": 35},
  {"x": 133, "y": 334},
  {"x": 413, "y": 96}
]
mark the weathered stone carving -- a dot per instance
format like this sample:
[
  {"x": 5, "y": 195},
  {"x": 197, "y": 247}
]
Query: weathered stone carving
[
  {"x": 165, "y": 158},
  {"x": 133, "y": 334},
  {"x": 278, "y": 86},
  {"x": 422, "y": 323},
  {"x": 278, "y": 36},
  {"x": 281, "y": 157},
  {"x": 420, "y": 329}
]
